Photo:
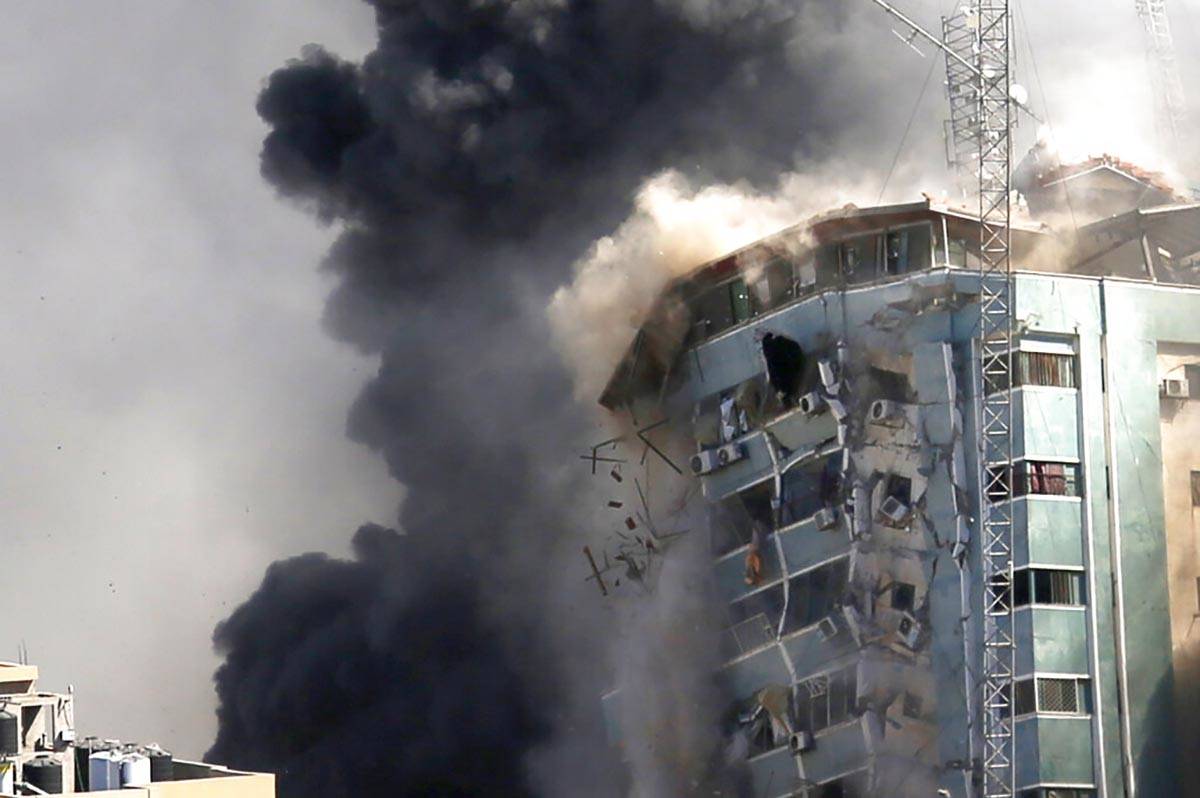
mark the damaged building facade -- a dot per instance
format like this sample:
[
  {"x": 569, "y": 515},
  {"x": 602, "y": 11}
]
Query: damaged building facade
[{"x": 829, "y": 377}]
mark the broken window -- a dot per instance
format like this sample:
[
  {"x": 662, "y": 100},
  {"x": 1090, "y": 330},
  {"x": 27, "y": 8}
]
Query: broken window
[
  {"x": 748, "y": 635},
  {"x": 825, "y": 270},
  {"x": 732, "y": 522},
  {"x": 739, "y": 298},
  {"x": 772, "y": 286},
  {"x": 963, "y": 251},
  {"x": 767, "y": 603},
  {"x": 899, "y": 488},
  {"x": 860, "y": 259},
  {"x": 1047, "y": 479},
  {"x": 826, "y": 700},
  {"x": 814, "y": 594},
  {"x": 904, "y": 596},
  {"x": 907, "y": 249},
  {"x": 717, "y": 309},
  {"x": 808, "y": 488},
  {"x": 852, "y": 786},
  {"x": 786, "y": 365},
  {"x": 1047, "y": 586}
]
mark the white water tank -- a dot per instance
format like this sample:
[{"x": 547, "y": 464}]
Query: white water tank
[
  {"x": 104, "y": 771},
  {"x": 135, "y": 770}
]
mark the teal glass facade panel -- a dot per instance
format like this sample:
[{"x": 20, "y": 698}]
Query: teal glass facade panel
[
  {"x": 1049, "y": 423},
  {"x": 1048, "y": 531}
]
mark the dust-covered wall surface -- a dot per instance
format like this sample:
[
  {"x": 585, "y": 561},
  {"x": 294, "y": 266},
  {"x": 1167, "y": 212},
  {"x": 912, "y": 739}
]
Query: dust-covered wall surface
[{"x": 1180, "y": 416}]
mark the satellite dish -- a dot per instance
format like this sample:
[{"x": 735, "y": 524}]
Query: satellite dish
[{"x": 1019, "y": 94}]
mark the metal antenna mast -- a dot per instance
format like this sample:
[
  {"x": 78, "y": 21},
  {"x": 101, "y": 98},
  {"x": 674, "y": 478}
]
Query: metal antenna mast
[
  {"x": 979, "y": 54},
  {"x": 995, "y": 423},
  {"x": 1169, "y": 99},
  {"x": 959, "y": 33}
]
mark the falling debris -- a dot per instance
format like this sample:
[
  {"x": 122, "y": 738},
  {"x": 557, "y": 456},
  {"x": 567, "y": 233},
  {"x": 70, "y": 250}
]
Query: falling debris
[{"x": 830, "y": 449}]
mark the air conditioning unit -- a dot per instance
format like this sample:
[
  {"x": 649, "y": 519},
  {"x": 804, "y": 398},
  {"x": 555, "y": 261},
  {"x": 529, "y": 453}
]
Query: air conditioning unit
[
  {"x": 1173, "y": 389},
  {"x": 802, "y": 742},
  {"x": 826, "y": 518},
  {"x": 730, "y": 453},
  {"x": 909, "y": 631},
  {"x": 893, "y": 511},
  {"x": 828, "y": 628},
  {"x": 811, "y": 403},
  {"x": 704, "y": 462},
  {"x": 885, "y": 412}
]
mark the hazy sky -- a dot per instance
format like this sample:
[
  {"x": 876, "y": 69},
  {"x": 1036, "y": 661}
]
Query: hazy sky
[{"x": 171, "y": 415}]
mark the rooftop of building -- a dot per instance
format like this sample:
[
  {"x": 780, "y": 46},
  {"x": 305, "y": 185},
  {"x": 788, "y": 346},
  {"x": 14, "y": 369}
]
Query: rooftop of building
[
  {"x": 40, "y": 755},
  {"x": 1101, "y": 217}
]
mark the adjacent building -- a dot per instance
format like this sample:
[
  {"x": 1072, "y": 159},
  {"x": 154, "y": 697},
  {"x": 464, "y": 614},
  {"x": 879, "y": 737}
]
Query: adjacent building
[
  {"x": 830, "y": 380},
  {"x": 40, "y": 755}
]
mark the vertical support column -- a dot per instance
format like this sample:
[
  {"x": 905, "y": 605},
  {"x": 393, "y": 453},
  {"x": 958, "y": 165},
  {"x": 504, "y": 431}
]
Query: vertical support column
[{"x": 995, "y": 433}]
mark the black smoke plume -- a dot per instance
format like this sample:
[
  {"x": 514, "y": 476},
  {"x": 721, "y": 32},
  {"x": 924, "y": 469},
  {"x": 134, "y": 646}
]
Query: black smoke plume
[{"x": 469, "y": 160}]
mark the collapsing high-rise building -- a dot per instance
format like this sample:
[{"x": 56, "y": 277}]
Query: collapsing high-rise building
[{"x": 830, "y": 378}]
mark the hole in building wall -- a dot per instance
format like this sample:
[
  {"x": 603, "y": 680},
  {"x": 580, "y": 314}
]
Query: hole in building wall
[{"x": 786, "y": 366}]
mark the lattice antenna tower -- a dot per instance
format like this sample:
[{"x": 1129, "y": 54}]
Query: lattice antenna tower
[
  {"x": 995, "y": 422},
  {"x": 988, "y": 126},
  {"x": 1169, "y": 99}
]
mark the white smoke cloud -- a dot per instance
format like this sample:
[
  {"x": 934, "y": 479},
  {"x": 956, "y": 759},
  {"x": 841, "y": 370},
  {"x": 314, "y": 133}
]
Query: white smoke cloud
[{"x": 674, "y": 228}]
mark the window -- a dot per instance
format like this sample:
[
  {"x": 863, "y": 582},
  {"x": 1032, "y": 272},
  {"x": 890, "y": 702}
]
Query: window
[
  {"x": 1196, "y": 488},
  {"x": 852, "y": 786},
  {"x": 720, "y": 308},
  {"x": 732, "y": 523},
  {"x": 739, "y": 298},
  {"x": 808, "y": 488},
  {"x": 906, "y": 250},
  {"x": 826, "y": 700},
  {"x": 1055, "y": 695},
  {"x": 814, "y": 594},
  {"x": 1058, "y": 792},
  {"x": 1039, "y": 478},
  {"x": 749, "y": 635},
  {"x": 1047, "y": 586},
  {"x": 1045, "y": 368},
  {"x": 904, "y": 596},
  {"x": 859, "y": 259},
  {"x": 896, "y": 252},
  {"x": 1032, "y": 368},
  {"x": 772, "y": 286},
  {"x": 768, "y": 603}
]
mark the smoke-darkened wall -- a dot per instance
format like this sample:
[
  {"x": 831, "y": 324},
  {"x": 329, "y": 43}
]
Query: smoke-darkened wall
[{"x": 468, "y": 161}]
